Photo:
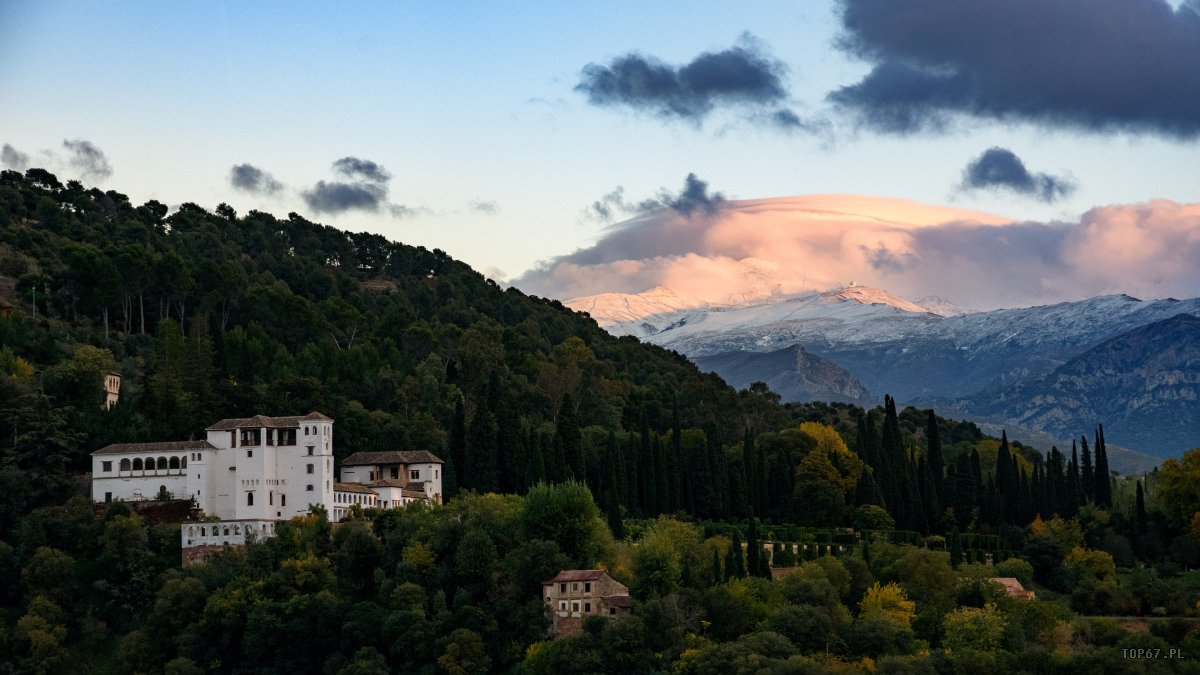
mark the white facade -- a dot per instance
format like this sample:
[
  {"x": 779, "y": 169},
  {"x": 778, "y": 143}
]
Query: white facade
[{"x": 138, "y": 471}]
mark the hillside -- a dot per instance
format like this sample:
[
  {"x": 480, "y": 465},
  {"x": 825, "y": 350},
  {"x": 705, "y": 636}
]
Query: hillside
[
  {"x": 793, "y": 373},
  {"x": 1144, "y": 384}
]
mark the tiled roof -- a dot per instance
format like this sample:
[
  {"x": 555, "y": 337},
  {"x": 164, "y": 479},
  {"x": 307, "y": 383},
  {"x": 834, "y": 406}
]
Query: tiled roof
[
  {"x": 353, "y": 487},
  {"x": 576, "y": 575},
  {"x": 415, "y": 494},
  {"x": 161, "y": 446},
  {"x": 392, "y": 457},
  {"x": 286, "y": 422},
  {"x": 389, "y": 482}
]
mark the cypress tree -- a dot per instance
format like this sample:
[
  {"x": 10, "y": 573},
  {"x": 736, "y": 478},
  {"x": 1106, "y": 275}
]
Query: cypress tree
[
  {"x": 458, "y": 445},
  {"x": 735, "y": 564},
  {"x": 1140, "y": 512},
  {"x": 777, "y": 559},
  {"x": 937, "y": 462},
  {"x": 956, "y": 551},
  {"x": 717, "y": 476},
  {"x": 570, "y": 438},
  {"x": 716, "y": 567},
  {"x": 632, "y": 468},
  {"x": 1004, "y": 479},
  {"x": 1074, "y": 490},
  {"x": 662, "y": 482},
  {"x": 1087, "y": 473},
  {"x": 646, "y": 479},
  {"x": 1103, "y": 478},
  {"x": 615, "y": 523},
  {"x": 739, "y": 500},
  {"x": 753, "y": 547},
  {"x": 536, "y": 471},
  {"x": 675, "y": 459},
  {"x": 482, "y": 467}
]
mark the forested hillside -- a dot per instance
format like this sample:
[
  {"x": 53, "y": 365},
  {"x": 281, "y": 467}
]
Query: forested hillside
[{"x": 564, "y": 447}]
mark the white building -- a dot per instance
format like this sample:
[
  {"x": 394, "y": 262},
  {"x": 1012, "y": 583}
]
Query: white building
[{"x": 251, "y": 472}]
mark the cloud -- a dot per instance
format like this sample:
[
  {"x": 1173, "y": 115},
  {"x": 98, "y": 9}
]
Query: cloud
[
  {"x": 744, "y": 76},
  {"x": 692, "y": 199},
  {"x": 337, "y": 197},
  {"x": 249, "y": 178},
  {"x": 365, "y": 189},
  {"x": 361, "y": 169},
  {"x": 11, "y": 158},
  {"x": 1091, "y": 65},
  {"x": 799, "y": 244},
  {"x": 1000, "y": 169},
  {"x": 485, "y": 206},
  {"x": 89, "y": 160}
]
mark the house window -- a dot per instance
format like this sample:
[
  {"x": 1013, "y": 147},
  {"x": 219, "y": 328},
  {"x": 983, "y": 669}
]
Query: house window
[
  {"x": 371, "y": 475},
  {"x": 395, "y": 472},
  {"x": 108, "y": 496},
  {"x": 232, "y": 439},
  {"x": 415, "y": 474},
  {"x": 283, "y": 500},
  {"x": 562, "y": 588},
  {"x": 249, "y": 499},
  {"x": 309, "y": 488},
  {"x": 137, "y": 464},
  {"x": 249, "y": 453},
  {"x": 562, "y": 604},
  {"x": 575, "y": 587},
  {"x": 587, "y": 587},
  {"x": 612, "y": 610},
  {"x": 587, "y": 606},
  {"x": 310, "y": 449},
  {"x": 125, "y": 465},
  {"x": 270, "y": 437},
  {"x": 106, "y": 467},
  {"x": 271, "y": 498},
  {"x": 574, "y": 606},
  {"x": 310, "y": 468}
]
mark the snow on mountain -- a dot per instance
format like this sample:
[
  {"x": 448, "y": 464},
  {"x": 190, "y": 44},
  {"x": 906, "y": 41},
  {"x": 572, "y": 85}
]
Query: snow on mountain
[
  {"x": 935, "y": 304},
  {"x": 865, "y": 295}
]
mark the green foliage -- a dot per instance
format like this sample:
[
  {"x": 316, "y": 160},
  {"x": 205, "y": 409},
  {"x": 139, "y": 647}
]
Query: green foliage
[{"x": 974, "y": 628}]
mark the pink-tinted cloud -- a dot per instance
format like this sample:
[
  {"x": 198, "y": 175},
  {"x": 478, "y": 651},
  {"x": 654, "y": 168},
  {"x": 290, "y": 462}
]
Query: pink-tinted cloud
[{"x": 748, "y": 249}]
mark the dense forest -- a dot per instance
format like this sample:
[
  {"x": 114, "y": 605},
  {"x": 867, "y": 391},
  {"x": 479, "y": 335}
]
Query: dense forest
[{"x": 565, "y": 447}]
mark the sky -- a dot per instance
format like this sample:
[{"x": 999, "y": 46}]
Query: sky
[{"x": 519, "y": 137}]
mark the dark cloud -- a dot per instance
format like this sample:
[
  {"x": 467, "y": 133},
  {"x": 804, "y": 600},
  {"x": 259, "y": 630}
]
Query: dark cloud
[
  {"x": 339, "y": 197},
  {"x": 743, "y": 75},
  {"x": 249, "y": 178},
  {"x": 1001, "y": 169},
  {"x": 361, "y": 169},
  {"x": 11, "y": 158},
  {"x": 487, "y": 206},
  {"x": 365, "y": 190},
  {"x": 88, "y": 160},
  {"x": 1095, "y": 65},
  {"x": 693, "y": 198}
]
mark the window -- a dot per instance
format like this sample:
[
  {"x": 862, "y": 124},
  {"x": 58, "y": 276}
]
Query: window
[
  {"x": 270, "y": 437},
  {"x": 437, "y": 474},
  {"x": 415, "y": 474},
  {"x": 562, "y": 588},
  {"x": 162, "y": 463},
  {"x": 612, "y": 610},
  {"x": 287, "y": 436},
  {"x": 587, "y": 587},
  {"x": 310, "y": 449},
  {"x": 562, "y": 604},
  {"x": 125, "y": 465},
  {"x": 587, "y": 606},
  {"x": 106, "y": 467},
  {"x": 249, "y": 499},
  {"x": 249, "y": 453},
  {"x": 310, "y": 469},
  {"x": 575, "y": 587},
  {"x": 183, "y": 463},
  {"x": 309, "y": 488},
  {"x": 137, "y": 464},
  {"x": 395, "y": 472},
  {"x": 283, "y": 500},
  {"x": 371, "y": 475},
  {"x": 174, "y": 464},
  {"x": 574, "y": 606},
  {"x": 232, "y": 439},
  {"x": 108, "y": 496}
]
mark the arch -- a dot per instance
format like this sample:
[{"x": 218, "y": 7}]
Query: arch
[
  {"x": 149, "y": 464},
  {"x": 162, "y": 464},
  {"x": 203, "y": 531},
  {"x": 126, "y": 465},
  {"x": 226, "y": 531},
  {"x": 173, "y": 463},
  {"x": 191, "y": 531},
  {"x": 238, "y": 530},
  {"x": 249, "y": 499},
  {"x": 183, "y": 462},
  {"x": 137, "y": 463}
]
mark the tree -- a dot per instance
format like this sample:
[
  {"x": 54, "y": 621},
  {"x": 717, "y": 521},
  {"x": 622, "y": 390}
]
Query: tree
[
  {"x": 465, "y": 654},
  {"x": 1178, "y": 491},
  {"x": 888, "y": 602},
  {"x": 974, "y": 628},
  {"x": 482, "y": 464}
]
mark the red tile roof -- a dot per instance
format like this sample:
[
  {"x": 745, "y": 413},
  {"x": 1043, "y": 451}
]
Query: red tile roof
[
  {"x": 260, "y": 421},
  {"x": 392, "y": 457},
  {"x": 162, "y": 446},
  {"x": 576, "y": 575},
  {"x": 353, "y": 487}
]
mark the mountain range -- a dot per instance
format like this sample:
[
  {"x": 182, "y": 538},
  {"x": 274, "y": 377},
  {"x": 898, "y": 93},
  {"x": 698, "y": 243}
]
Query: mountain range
[{"x": 1054, "y": 371}]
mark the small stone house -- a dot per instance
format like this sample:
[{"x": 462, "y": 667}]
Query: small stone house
[{"x": 574, "y": 595}]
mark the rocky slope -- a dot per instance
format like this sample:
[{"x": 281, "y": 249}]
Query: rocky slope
[{"x": 793, "y": 373}]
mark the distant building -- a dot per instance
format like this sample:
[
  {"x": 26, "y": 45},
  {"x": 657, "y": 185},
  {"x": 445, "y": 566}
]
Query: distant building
[
  {"x": 1013, "y": 587},
  {"x": 112, "y": 390},
  {"x": 251, "y": 472},
  {"x": 574, "y": 595}
]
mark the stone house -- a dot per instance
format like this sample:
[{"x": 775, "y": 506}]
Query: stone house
[{"x": 574, "y": 595}]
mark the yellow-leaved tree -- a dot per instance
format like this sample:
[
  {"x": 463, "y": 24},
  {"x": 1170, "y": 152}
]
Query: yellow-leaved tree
[{"x": 888, "y": 602}]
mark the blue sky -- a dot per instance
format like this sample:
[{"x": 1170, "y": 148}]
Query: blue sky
[{"x": 473, "y": 111}]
